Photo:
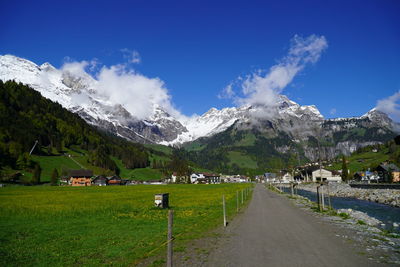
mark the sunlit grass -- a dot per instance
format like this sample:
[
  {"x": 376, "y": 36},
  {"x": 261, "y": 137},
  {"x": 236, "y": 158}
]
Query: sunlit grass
[{"x": 102, "y": 225}]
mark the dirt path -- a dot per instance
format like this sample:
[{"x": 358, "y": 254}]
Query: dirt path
[{"x": 273, "y": 232}]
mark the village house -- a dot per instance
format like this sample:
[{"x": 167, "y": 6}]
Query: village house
[
  {"x": 80, "y": 177},
  {"x": 269, "y": 177},
  {"x": 115, "y": 180},
  {"x": 194, "y": 177},
  {"x": 244, "y": 179},
  {"x": 322, "y": 175},
  {"x": 173, "y": 177},
  {"x": 100, "y": 181},
  {"x": 205, "y": 178},
  {"x": 212, "y": 178},
  {"x": 385, "y": 170},
  {"x": 234, "y": 179},
  {"x": 366, "y": 176},
  {"x": 287, "y": 178},
  {"x": 154, "y": 182}
]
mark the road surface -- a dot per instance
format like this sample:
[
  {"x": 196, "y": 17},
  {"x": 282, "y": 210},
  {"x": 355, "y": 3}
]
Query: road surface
[{"x": 274, "y": 232}]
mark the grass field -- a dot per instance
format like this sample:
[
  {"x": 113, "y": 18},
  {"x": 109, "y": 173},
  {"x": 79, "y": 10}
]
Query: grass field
[
  {"x": 52, "y": 226},
  {"x": 79, "y": 159},
  {"x": 242, "y": 160}
]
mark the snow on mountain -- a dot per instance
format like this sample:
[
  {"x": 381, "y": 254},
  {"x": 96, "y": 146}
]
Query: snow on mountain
[
  {"x": 216, "y": 121},
  {"x": 77, "y": 92},
  {"x": 212, "y": 122}
]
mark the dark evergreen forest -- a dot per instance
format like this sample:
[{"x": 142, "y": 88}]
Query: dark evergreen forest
[{"x": 27, "y": 117}]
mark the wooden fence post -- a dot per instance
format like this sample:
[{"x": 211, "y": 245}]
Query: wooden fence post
[
  {"x": 329, "y": 198},
  {"x": 242, "y": 197},
  {"x": 224, "y": 211},
  {"x": 237, "y": 201},
  {"x": 318, "y": 199},
  {"x": 170, "y": 238},
  {"x": 322, "y": 197}
]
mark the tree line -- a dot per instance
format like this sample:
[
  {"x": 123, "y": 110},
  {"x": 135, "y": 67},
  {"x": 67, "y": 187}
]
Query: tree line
[{"x": 27, "y": 117}]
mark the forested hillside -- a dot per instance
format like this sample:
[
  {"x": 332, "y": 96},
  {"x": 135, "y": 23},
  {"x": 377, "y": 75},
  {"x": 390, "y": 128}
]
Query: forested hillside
[
  {"x": 370, "y": 157},
  {"x": 26, "y": 116},
  {"x": 248, "y": 152}
]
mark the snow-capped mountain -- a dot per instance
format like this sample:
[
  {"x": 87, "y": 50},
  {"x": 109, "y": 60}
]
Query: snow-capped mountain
[
  {"x": 216, "y": 121},
  {"x": 77, "y": 92}
]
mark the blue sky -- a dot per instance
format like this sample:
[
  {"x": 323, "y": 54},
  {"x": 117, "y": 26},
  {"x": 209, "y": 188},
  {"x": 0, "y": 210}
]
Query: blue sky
[{"x": 199, "y": 47}]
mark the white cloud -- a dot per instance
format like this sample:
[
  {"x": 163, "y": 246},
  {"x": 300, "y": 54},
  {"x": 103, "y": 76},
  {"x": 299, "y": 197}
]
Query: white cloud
[
  {"x": 264, "y": 88},
  {"x": 227, "y": 92},
  {"x": 119, "y": 84},
  {"x": 332, "y": 111},
  {"x": 132, "y": 56},
  {"x": 390, "y": 106},
  {"x": 136, "y": 92}
]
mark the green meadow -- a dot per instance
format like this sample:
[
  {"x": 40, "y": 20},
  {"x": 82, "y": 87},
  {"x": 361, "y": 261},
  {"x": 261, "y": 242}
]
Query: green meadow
[{"x": 91, "y": 226}]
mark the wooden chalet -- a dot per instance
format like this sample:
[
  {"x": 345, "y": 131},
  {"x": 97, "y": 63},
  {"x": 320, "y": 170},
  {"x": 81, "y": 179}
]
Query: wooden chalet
[
  {"x": 80, "y": 177},
  {"x": 115, "y": 180},
  {"x": 100, "y": 181},
  {"x": 388, "y": 172},
  {"x": 212, "y": 178}
]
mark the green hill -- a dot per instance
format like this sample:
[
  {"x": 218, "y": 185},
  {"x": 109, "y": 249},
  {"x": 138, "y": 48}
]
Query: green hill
[
  {"x": 64, "y": 141},
  {"x": 368, "y": 158},
  {"x": 248, "y": 152}
]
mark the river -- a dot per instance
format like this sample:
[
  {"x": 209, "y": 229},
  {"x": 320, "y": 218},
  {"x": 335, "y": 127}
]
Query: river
[{"x": 385, "y": 213}]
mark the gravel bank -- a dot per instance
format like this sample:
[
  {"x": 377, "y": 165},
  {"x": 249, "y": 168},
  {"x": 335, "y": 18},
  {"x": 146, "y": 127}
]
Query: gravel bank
[{"x": 384, "y": 196}]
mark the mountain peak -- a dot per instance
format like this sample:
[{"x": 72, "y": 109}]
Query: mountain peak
[{"x": 47, "y": 67}]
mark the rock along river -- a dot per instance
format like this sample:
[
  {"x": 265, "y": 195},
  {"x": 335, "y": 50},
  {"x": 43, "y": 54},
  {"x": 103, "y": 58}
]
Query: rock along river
[{"x": 388, "y": 215}]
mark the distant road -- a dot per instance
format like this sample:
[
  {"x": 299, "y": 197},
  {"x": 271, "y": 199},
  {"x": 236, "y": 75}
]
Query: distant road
[{"x": 273, "y": 232}]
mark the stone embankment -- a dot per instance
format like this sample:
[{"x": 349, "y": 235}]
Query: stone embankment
[{"x": 384, "y": 196}]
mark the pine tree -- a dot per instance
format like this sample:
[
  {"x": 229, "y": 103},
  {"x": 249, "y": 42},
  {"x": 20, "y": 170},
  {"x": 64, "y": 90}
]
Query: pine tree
[
  {"x": 36, "y": 174},
  {"x": 54, "y": 177},
  {"x": 345, "y": 171},
  {"x": 154, "y": 164}
]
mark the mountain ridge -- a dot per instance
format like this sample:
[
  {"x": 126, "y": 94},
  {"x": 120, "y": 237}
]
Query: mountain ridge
[{"x": 300, "y": 123}]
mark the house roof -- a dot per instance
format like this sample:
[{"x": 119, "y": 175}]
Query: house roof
[
  {"x": 100, "y": 178},
  {"x": 80, "y": 173},
  {"x": 210, "y": 174},
  {"x": 322, "y": 170},
  {"x": 389, "y": 167},
  {"x": 116, "y": 178}
]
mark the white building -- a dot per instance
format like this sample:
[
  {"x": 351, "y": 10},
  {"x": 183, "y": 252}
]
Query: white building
[
  {"x": 287, "y": 177},
  {"x": 325, "y": 175},
  {"x": 195, "y": 176},
  {"x": 173, "y": 177},
  {"x": 205, "y": 178}
]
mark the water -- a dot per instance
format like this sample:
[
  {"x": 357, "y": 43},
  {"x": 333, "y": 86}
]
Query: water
[{"x": 384, "y": 213}]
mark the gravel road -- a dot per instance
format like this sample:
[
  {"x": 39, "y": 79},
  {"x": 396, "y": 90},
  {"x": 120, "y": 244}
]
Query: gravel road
[{"x": 273, "y": 232}]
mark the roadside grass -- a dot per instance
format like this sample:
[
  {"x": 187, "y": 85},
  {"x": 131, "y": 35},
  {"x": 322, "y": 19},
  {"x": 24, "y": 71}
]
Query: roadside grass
[
  {"x": 90, "y": 226},
  {"x": 344, "y": 216}
]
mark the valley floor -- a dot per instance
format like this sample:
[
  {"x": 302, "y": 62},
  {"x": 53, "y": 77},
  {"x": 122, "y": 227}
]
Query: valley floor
[{"x": 274, "y": 232}]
